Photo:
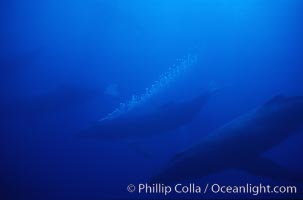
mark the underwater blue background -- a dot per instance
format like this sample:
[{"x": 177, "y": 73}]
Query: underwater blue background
[{"x": 58, "y": 58}]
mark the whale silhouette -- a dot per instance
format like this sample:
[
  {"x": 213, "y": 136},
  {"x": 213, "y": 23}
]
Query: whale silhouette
[
  {"x": 167, "y": 118},
  {"x": 240, "y": 144}
]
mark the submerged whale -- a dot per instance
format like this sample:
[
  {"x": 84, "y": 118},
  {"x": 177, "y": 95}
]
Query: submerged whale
[
  {"x": 166, "y": 118},
  {"x": 240, "y": 144},
  {"x": 61, "y": 99}
]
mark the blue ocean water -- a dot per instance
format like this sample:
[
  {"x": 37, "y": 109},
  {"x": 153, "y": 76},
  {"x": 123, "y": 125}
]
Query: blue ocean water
[{"x": 66, "y": 66}]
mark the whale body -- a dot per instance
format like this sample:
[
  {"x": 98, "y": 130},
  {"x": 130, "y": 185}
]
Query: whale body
[
  {"x": 167, "y": 118},
  {"x": 240, "y": 144}
]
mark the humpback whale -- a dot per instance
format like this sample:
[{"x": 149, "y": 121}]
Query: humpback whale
[
  {"x": 60, "y": 99},
  {"x": 240, "y": 144},
  {"x": 168, "y": 117}
]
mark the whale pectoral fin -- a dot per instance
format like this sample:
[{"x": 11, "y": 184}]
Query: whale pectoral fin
[{"x": 264, "y": 167}]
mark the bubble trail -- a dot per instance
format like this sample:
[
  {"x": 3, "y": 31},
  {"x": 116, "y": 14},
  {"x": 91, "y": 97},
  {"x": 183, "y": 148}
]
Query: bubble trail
[{"x": 163, "y": 82}]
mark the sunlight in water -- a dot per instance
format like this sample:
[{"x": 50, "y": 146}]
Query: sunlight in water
[{"x": 164, "y": 80}]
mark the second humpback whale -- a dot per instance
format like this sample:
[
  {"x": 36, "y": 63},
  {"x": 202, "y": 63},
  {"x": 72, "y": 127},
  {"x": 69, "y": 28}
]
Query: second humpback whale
[{"x": 240, "y": 144}]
